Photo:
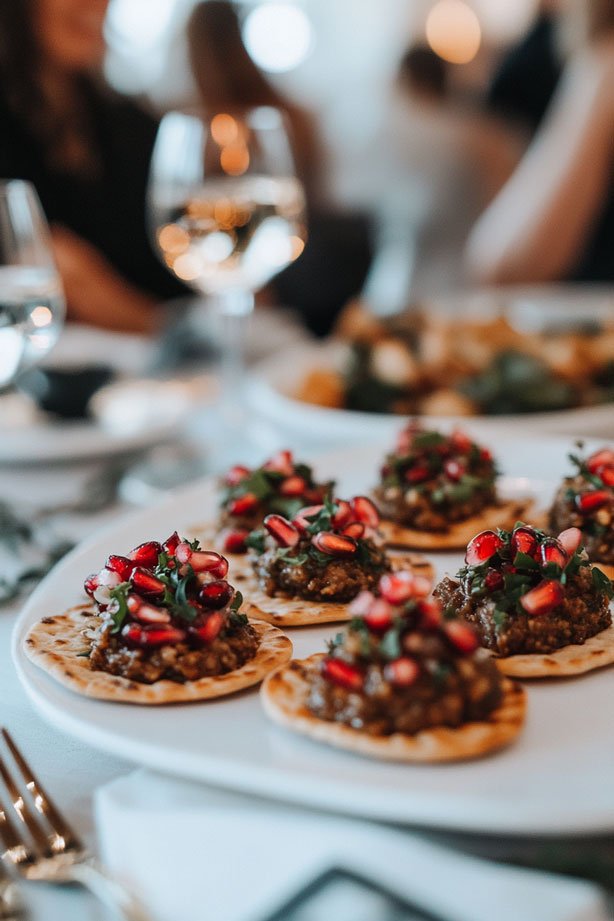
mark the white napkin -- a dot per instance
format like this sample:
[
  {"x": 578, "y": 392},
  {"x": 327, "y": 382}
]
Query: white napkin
[{"x": 194, "y": 853}]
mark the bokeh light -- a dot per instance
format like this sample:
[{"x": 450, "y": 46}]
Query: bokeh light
[
  {"x": 453, "y": 31},
  {"x": 278, "y": 36}
]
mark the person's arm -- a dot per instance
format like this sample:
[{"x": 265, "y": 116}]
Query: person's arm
[
  {"x": 95, "y": 293},
  {"x": 535, "y": 228}
]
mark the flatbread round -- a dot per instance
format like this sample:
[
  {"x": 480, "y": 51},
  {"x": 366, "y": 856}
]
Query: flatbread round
[
  {"x": 297, "y": 612},
  {"x": 284, "y": 698},
  {"x": 57, "y": 644},
  {"x": 458, "y": 535},
  {"x": 574, "y": 659}
]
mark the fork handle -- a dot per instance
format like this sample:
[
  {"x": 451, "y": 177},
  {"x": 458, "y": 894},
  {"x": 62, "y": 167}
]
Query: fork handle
[{"x": 107, "y": 890}]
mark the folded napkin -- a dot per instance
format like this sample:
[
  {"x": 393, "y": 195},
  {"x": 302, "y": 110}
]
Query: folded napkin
[{"x": 195, "y": 853}]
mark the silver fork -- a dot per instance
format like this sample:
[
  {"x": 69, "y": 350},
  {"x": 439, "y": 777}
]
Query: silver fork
[{"x": 40, "y": 844}]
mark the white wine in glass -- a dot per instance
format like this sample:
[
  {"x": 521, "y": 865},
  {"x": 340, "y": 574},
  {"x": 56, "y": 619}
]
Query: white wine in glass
[
  {"x": 227, "y": 213},
  {"x": 31, "y": 296}
]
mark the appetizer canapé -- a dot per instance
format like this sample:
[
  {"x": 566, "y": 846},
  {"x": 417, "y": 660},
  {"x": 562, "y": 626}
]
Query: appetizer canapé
[
  {"x": 436, "y": 490},
  {"x": 166, "y": 625},
  {"x": 403, "y": 681},
  {"x": 281, "y": 485},
  {"x": 307, "y": 570},
  {"x": 536, "y": 601},
  {"x": 585, "y": 500}
]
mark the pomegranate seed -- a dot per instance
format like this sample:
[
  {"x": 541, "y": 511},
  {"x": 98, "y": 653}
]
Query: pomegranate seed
[
  {"x": 553, "y": 552},
  {"x": 461, "y": 635},
  {"x": 171, "y": 543},
  {"x": 454, "y": 470},
  {"x": 361, "y": 604},
  {"x": 284, "y": 532},
  {"x": 524, "y": 540},
  {"x": 544, "y": 597},
  {"x": 133, "y": 603},
  {"x": 402, "y": 672},
  {"x": 570, "y": 540},
  {"x": 243, "y": 505},
  {"x": 365, "y": 511},
  {"x": 343, "y": 515},
  {"x": 607, "y": 475},
  {"x": 305, "y": 516},
  {"x": 590, "y": 501},
  {"x": 485, "y": 455},
  {"x": 91, "y": 584},
  {"x": 211, "y": 628},
  {"x": 315, "y": 495},
  {"x": 236, "y": 474},
  {"x": 356, "y": 530},
  {"x": 341, "y": 673},
  {"x": 380, "y": 616},
  {"x": 494, "y": 580},
  {"x": 151, "y": 615},
  {"x": 417, "y": 474},
  {"x": 282, "y": 462},
  {"x": 334, "y": 544},
  {"x": 147, "y": 554},
  {"x": 121, "y": 565},
  {"x": 146, "y": 583},
  {"x": 152, "y": 636},
  {"x": 430, "y": 614},
  {"x": 234, "y": 541},
  {"x": 216, "y": 594},
  {"x": 460, "y": 441},
  {"x": 293, "y": 486},
  {"x": 209, "y": 561},
  {"x": 602, "y": 458},
  {"x": 397, "y": 587},
  {"x": 183, "y": 552},
  {"x": 482, "y": 547}
]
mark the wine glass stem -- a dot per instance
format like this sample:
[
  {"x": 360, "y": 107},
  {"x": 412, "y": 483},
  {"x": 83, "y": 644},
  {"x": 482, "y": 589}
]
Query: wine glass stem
[{"x": 234, "y": 309}]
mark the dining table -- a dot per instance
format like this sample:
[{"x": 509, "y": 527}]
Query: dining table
[{"x": 73, "y": 771}]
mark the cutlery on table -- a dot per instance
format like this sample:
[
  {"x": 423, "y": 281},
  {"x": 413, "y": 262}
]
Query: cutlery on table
[{"x": 39, "y": 844}]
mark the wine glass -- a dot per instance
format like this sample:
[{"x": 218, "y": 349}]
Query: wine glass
[
  {"x": 227, "y": 214},
  {"x": 31, "y": 296}
]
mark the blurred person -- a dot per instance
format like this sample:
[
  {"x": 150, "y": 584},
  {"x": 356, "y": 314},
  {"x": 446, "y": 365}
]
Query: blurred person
[
  {"x": 526, "y": 77},
  {"x": 554, "y": 219},
  {"x": 87, "y": 151},
  {"x": 446, "y": 161}
]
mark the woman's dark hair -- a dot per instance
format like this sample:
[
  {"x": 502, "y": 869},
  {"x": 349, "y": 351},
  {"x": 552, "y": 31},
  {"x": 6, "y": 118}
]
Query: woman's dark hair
[
  {"x": 220, "y": 61},
  {"x": 422, "y": 70},
  {"x": 18, "y": 54},
  {"x": 53, "y": 125}
]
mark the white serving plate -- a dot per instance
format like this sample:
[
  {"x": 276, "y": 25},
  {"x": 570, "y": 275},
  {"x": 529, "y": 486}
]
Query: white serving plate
[
  {"x": 130, "y": 414},
  {"x": 557, "y": 778},
  {"x": 275, "y": 381}
]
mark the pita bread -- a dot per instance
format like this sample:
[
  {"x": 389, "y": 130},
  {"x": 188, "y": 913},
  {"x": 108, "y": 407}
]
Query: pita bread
[
  {"x": 57, "y": 644},
  {"x": 458, "y": 535},
  {"x": 284, "y": 698},
  {"x": 574, "y": 659},
  {"x": 297, "y": 612}
]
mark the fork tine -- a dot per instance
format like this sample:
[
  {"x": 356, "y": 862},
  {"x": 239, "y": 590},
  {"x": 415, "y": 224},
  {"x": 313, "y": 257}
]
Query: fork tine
[
  {"x": 15, "y": 850},
  {"x": 65, "y": 836},
  {"x": 42, "y": 841}
]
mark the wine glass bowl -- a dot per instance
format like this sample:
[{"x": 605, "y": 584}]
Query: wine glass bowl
[
  {"x": 227, "y": 214},
  {"x": 31, "y": 297}
]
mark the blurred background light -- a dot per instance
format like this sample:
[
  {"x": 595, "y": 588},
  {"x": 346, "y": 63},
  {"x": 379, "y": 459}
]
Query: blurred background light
[
  {"x": 453, "y": 31},
  {"x": 278, "y": 36}
]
